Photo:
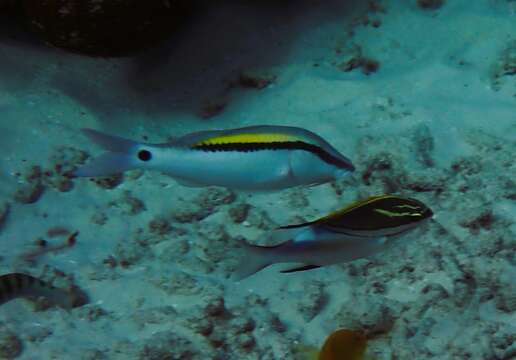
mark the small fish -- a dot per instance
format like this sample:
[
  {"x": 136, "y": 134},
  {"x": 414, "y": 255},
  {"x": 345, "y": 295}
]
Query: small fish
[
  {"x": 342, "y": 344},
  {"x": 255, "y": 158},
  {"x": 18, "y": 285},
  {"x": 359, "y": 230}
]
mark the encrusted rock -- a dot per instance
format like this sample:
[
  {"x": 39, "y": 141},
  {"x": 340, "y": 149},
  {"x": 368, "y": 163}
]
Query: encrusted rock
[
  {"x": 313, "y": 300},
  {"x": 239, "y": 212},
  {"x": 215, "y": 244},
  {"x": 214, "y": 306},
  {"x": 109, "y": 182},
  {"x": 245, "y": 341},
  {"x": 430, "y": 4},
  {"x": 505, "y": 297},
  {"x": 503, "y": 343},
  {"x": 29, "y": 193},
  {"x": 4, "y": 212},
  {"x": 504, "y": 67},
  {"x": 424, "y": 144},
  {"x": 167, "y": 345},
  {"x": 10, "y": 345},
  {"x": 37, "y": 333},
  {"x": 62, "y": 164},
  {"x": 128, "y": 204},
  {"x": 99, "y": 218},
  {"x": 93, "y": 354},
  {"x": 242, "y": 324},
  {"x": 156, "y": 315},
  {"x": 259, "y": 219},
  {"x": 484, "y": 221},
  {"x": 200, "y": 324},
  {"x": 93, "y": 313},
  {"x": 178, "y": 283},
  {"x": 276, "y": 324},
  {"x": 175, "y": 250},
  {"x": 129, "y": 253},
  {"x": 160, "y": 226},
  {"x": 297, "y": 198},
  {"x": 214, "y": 197},
  {"x": 189, "y": 212},
  {"x": 255, "y": 79},
  {"x": 370, "y": 317},
  {"x": 31, "y": 187}
]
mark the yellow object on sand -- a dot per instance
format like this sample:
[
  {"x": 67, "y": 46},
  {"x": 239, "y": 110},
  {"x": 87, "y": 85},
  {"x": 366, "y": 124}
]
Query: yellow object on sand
[{"x": 342, "y": 344}]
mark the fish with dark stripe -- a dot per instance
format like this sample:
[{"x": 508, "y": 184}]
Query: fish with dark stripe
[
  {"x": 18, "y": 285},
  {"x": 250, "y": 158},
  {"x": 359, "y": 230}
]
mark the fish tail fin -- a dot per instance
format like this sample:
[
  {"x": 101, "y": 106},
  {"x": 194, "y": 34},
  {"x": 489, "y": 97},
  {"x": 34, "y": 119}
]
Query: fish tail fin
[
  {"x": 109, "y": 142},
  {"x": 253, "y": 260},
  {"x": 105, "y": 165},
  {"x": 118, "y": 157}
]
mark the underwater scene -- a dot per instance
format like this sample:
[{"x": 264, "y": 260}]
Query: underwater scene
[{"x": 262, "y": 180}]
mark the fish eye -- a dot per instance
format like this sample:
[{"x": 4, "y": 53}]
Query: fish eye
[{"x": 144, "y": 155}]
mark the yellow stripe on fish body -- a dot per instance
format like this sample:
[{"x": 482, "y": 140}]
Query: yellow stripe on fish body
[
  {"x": 393, "y": 213},
  {"x": 357, "y": 204},
  {"x": 255, "y": 141},
  {"x": 250, "y": 138}
]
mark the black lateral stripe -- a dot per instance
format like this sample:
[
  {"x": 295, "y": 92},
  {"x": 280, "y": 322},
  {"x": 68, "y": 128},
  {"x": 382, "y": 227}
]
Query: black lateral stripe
[
  {"x": 275, "y": 145},
  {"x": 30, "y": 280},
  {"x": 18, "y": 280},
  {"x": 6, "y": 284}
]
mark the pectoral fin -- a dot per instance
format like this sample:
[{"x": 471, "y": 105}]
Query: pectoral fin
[{"x": 300, "y": 268}]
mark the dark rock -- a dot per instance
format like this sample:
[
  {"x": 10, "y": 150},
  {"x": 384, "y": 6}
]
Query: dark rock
[
  {"x": 239, "y": 212},
  {"x": 110, "y": 182},
  {"x": 4, "y": 212},
  {"x": 430, "y": 4},
  {"x": 105, "y": 28},
  {"x": 10, "y": 345},
  {"x": 29, "y": 193}
]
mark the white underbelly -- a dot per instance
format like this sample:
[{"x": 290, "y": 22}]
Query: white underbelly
[{"x": 256, "y": 170}]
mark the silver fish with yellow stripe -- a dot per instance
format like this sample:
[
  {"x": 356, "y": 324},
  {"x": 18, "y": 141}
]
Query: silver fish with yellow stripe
[
  {"x": 359, "y": 230},
  {"x": 19, "y": 285},
  {"x": 251, "y": 158}
]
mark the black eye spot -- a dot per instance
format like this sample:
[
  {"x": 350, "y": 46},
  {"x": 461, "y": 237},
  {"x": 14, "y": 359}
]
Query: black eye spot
[{"x": 144, "y": 155}]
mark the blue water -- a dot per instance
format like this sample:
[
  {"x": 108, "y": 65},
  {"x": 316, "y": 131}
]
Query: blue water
[{"x": 420, "y": 95}]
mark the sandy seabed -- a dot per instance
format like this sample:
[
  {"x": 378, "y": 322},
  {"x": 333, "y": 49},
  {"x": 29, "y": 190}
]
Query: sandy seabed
[{"x": 422, "y": 100}]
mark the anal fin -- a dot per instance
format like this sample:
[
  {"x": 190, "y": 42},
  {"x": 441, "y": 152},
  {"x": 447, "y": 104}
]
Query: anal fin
[{"x": 300, "y": 268}]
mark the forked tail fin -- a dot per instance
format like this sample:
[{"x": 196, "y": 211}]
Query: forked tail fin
[
  {"x": 254, "y": 259},
  {"x": 118, "y": 158},
  {"x": 109, "y": 142}
]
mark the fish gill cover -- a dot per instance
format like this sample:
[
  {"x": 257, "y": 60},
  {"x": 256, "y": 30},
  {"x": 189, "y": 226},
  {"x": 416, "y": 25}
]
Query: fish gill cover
[{"x": 418, "y": 95}]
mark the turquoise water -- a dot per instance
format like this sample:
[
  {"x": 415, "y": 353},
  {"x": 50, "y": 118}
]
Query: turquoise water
[{"x": 419, "y": 95}]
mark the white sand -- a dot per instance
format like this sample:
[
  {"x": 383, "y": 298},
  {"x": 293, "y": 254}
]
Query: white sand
[{"x": 435, "y": 84}]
